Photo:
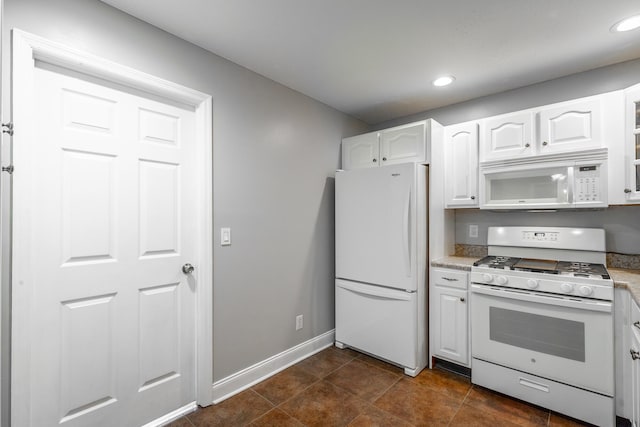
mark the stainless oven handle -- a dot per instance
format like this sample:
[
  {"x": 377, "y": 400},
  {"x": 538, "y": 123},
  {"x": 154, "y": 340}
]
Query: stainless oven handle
[{"x": 560, "y": 300}]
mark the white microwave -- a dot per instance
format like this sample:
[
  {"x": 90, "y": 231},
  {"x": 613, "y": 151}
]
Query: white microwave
[{"x": 577, "y": 182}]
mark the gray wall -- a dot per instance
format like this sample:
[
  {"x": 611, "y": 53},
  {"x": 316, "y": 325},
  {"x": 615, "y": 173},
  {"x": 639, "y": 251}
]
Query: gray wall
[
  {"x": 622, "y": 224},
  {"x": 275, "y": 153}
]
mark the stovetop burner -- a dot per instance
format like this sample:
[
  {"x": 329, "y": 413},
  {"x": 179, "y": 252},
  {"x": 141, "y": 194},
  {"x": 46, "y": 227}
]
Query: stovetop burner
[
  {"x": 582, "y": 269},
  {"x": 493, "y": 261},
  {"x": 566, "y": 268}
]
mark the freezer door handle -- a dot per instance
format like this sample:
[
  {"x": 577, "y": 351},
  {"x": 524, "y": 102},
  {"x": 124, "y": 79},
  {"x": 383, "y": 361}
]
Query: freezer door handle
[
  {"x": 406, "y": 234},
  {"x": 376, "y": 291}
]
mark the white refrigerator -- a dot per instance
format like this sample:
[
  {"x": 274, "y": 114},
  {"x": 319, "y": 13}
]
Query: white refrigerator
[{"x": 381, "y": 263}]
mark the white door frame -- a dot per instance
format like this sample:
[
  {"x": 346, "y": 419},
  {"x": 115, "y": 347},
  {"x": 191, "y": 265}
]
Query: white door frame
[{"x": 26, "y": 49}]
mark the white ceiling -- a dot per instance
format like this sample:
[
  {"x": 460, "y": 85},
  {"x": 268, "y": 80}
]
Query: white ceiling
[{"x": 375, "y": 59}]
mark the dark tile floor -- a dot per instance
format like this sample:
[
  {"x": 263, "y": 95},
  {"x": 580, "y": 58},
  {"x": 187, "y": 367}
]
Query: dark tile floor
[{"x": 345, "y": 388}]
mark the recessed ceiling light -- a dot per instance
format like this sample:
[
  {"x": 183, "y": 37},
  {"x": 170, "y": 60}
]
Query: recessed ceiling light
[
  {"x": 627, "y": 24},
  {"x": 443, "y": 81}
]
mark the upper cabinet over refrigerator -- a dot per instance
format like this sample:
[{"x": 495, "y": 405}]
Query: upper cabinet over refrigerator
[
  {"x": 400, "y": 144},
  {"x": 376, "y": 225}
]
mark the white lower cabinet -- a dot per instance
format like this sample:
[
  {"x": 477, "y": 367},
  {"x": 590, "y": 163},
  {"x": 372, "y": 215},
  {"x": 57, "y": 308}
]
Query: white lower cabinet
[
  {"x": 634, "y": 354},
  {"x": 449, "y": 315}
]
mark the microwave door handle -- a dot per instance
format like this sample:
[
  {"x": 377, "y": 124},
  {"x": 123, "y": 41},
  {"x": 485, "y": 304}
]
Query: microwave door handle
[{"x": 570, "y": 184}]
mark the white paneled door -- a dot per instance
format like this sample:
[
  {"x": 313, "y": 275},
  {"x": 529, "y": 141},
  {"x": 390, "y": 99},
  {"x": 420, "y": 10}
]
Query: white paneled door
[{"x": 113, "y": 214}]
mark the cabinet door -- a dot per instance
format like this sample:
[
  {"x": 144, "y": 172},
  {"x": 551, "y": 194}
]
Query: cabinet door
[
  {"x": 449, "y": 328},
  {"x": 461, "y": 165},
  {"x": 570, "y": 127},
  {"x": 634, "y": 339},
  {"x": 403, "y": 144},
  {"x": 507, "y": 136},
  {"x": 360, "y": 151},
  {"x": 632, "y": 138}
]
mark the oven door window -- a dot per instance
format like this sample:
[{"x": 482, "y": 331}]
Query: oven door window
[{"x": 545, "y": 334}]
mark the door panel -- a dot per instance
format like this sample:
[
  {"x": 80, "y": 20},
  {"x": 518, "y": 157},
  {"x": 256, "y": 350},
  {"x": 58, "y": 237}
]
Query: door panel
[
  {"x": 375, "y": 225},
  {"x": 87, "y": 355},
  {"x": 113, "y": 214},
  {"x": 159, "y": 197},
  {"x": 88, "y": 207},
  {"x": 159, "y": 334}
]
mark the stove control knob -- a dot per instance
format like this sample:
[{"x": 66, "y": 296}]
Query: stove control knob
[
  {"x": 566, "y": 287},
  {"x": 532, "y": 283},
  {"x": 585, "y": 290},
  {"x": 487, "y": 278},
  {"x": 501, "y": 280}
]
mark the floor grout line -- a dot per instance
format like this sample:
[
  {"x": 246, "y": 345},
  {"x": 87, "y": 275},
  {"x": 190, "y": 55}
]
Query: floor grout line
[{"x": 461, "y": 404}]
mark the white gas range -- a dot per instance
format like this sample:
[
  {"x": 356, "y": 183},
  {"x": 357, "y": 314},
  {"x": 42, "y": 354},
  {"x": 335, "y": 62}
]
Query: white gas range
[{"x": 542, "y": 320}]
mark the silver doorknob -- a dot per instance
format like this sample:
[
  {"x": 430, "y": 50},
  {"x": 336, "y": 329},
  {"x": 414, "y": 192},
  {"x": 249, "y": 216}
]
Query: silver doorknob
[{"x": 188, "y": 268}]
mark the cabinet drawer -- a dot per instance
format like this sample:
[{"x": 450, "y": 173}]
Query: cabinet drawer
[{"x": 450, "y": 278}]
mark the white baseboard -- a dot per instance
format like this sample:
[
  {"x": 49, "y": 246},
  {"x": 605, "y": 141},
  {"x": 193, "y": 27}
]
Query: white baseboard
[
  {"x": 242, "y": 380},
  {"x": 172, "y": 416}
]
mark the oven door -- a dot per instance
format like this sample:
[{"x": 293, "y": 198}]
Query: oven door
[{"x": 565, "y": 339}]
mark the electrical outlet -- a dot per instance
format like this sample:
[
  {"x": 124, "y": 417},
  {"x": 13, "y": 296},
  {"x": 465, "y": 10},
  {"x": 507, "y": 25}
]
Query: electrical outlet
[
  {"x": 299, "y": 322},
  {"x": 473, "y": 230}
]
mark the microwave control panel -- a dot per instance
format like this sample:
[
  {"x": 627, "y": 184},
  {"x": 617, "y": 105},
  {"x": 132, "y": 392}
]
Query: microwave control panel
[{"x": 587, "y": 183}]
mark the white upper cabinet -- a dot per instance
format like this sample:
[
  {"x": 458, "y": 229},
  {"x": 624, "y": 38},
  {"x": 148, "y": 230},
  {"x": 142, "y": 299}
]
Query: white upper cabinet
[
  {"x": 507, "y": 136},
  {"x": 361, "y": 151},
  {"x": 461, "y": 165},
  {"x": 564, "y": 127},
  {"x": 570, "y": 127},
  {"x": 632, "y": 141},
  {"x": 401, "y": 144}
]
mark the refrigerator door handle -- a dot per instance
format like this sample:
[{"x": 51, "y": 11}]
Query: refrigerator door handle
[
  {"x": 406, "y": 234},
  {"x": 376, "y": 291}
]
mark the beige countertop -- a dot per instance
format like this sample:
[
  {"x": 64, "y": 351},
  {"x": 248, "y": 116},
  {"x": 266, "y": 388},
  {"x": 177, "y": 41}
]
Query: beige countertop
[
  {"x": 622, "y": 278},
  {"x": 455, "y": 262},
  {"x": 628, "y": 279}
]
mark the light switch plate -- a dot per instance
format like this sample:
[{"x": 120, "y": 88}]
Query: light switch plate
[
  {"x": 473, "y": 230},
  {"x": 225, "y": 236}
]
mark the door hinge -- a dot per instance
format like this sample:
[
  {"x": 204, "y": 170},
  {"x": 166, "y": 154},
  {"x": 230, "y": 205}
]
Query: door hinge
[
  {"x": 7, "y": 128},
  {"x": 8, "y": 169}
]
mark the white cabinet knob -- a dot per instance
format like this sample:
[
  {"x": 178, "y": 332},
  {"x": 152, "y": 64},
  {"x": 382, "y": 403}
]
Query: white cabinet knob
[
  {"x": 501, "y": 280},
  {"x": 585, "y": 290},
  {"x": 566, "y": 287},
  {"x": 532, "y": 283}
]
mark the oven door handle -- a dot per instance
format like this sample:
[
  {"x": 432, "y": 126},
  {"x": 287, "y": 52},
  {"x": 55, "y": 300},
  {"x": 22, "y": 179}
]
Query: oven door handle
[{"x": 536, "y": 297}]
